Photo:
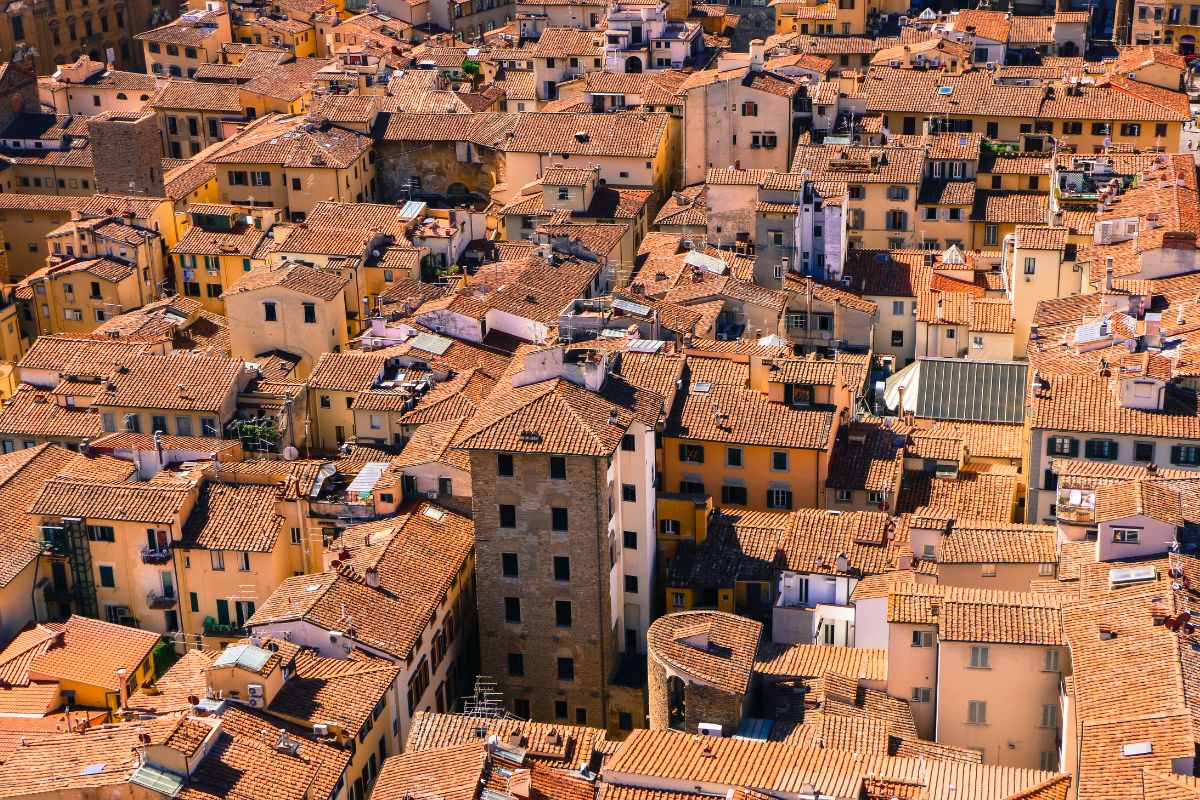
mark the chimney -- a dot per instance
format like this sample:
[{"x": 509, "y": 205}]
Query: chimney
[
  {"x": 1108, "y": 274},
  {"x": 371, "y": 576},
  {"x": 124, "y": 690},
  {"x": 757, "y": 54}
]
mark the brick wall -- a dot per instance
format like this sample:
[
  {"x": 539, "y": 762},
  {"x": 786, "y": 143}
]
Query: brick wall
[
  {"x": 702, "y": 703},
  {"x": 591, "y": 639}
]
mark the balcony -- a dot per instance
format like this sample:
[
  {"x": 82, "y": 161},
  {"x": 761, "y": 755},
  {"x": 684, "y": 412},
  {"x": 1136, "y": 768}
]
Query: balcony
[
  {"x": 161, "y": 601},
  {"x": 157, "y": 555},
  {"x": 1076, "y": 506},
  {"x": 224, "y": 630}
]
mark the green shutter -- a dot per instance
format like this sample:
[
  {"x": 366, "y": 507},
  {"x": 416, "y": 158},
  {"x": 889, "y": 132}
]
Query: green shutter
[
  {"x": 1050, "y": 445},
  {"x": 195, "y": 601},
  {"x": 223, "y": 612},
  {"x": 1074, "y": 449},
  {"x": 1176, "y": 453},
  {"x": 682, "y": 451}
]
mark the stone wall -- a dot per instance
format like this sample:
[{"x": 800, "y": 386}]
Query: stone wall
[{"x": 127, "y": 155}]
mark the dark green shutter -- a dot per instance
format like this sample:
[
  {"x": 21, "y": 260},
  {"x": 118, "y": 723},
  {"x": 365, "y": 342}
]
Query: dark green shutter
[{"x": 223, "y": 611}]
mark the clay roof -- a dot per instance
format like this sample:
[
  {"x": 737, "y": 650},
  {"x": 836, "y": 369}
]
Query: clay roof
[
  {"x": 234, "y": 517},
  {"x": 106, "y": 500},
  {"x": 711, "y": 647},
  {"x": 1117, "y": 501},
  {"x": 622, "y": 135},
  {"x": 90, "y": 651},
  {"x": 812, "y": 660},
  {"x": 183, "y": 382},
  {"x": 420, "y": 554}
]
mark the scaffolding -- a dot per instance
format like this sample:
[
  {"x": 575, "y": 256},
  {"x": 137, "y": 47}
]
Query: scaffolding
[{"x": 69, "y": 541}]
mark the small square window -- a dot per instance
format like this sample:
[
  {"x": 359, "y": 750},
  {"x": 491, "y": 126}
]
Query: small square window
[
  {"x": 562, "y": 568},
  {"x": 508, "y": 565},
  {"x": 504, "y": 465},
  {"x": 558, "y": 468},
  {"x": 516, "y": 664}
]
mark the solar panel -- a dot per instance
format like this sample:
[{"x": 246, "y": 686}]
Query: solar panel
[
  {"x": 644, "y": 345},
  {"x": 710, "y": 263},
  {"x": 92, "y": 769},
  {"x": 157, "y": 780},
  {"x": 631, "y": 307},
  {"x": 244, "y": 655},
  {"x": 432, "y": 343}
]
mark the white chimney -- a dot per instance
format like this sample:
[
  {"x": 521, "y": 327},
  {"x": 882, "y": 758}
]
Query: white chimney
[{"x": 758, "y": 50}]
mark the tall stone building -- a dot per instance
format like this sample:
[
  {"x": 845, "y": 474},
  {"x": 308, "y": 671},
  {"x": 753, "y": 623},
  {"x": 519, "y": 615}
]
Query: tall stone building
[
  {"x": 52, "y": 32},
  {"x": 563, "y": 495}
]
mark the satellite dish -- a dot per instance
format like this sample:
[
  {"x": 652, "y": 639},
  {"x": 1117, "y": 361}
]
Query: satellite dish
[{"x": 290, "y": 453}]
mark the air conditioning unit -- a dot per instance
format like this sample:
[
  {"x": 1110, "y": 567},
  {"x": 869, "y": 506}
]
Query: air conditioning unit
[
  {"x": 320, "y": 729},
  {"x": 254, "y": 689},
  {"x": 708, "y": 729},
  {"x": 254, "y": 702}
]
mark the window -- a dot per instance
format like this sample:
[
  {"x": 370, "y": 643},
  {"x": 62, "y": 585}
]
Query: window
[
  {"x": 1046, "y": 570},
  {"x": 733, "y": 456},
  {"x": 629, "y": 540},
  {"x": 988, "y": 570},
  {"x": 669, "y": 527},
  {"x": 779, "y": 460},
  {"x": 562, "y": 613},
  {"x": 977, "y": 342},
  {"x": 897, "y": 338},
  {"x": 504, "y": 465},
  {"x": 991, "y": 233},
  {"x": 844, "y": 496},
  {"x": 1101, "y": 448},
  {"x": 1131, "y": 129},
  {"x": 310, "y": 313},
  {"x": 218, "y": 560},
  {"x": 558, "y": 468},
  {"x": 194, "y": 602},
  {"x": 1062, "y": 446},
  {"x": 296, "y": 537},
  {"x": 512, "y": 609},
  {"x": 629, "y": 443},
  {"x": 243, "y": 562},
  {"x": 562, "y": 568},
  {"x": 897, "y": 220},
  {"x": 269, "y": 313},
  {"x": 1049, "y": 715},
  {"x": 734, "y": 495},
  {"x": 779, "y": 498},
  {"x": 101, "y": 533},
  {"x": 108, "y": 577},
  {"x": 417, "y": 685},
  {"x": 922, "y": 638},
  {"x": 1048, "y": 761},
  {"x": 516, "y": 664},
  {"x": 628, "y": 493},
  {"x": 560, "y": 709},
  {"x": 158, "y": 423},
  {"x": 508, "y": 516},
  {"x": 1030, "y": 265},
  {"x": 677, "y": 599},
  {"x": 508, "y": 565},
  {"x": 566, "y": 669},
  {"x": 625, "y": 720},
  {"x": 979, "y": 657},
  {"x": 691, "y": 453},
  {"x": 749, "y": 109},
  {"x": 631, "y": 584},
  {"x": 559, "y": 519},
  {"x": 1050, "y": 662},
  {"x": 1143, "y": 451},
  {"x": 922, "y": 694},
  {"x": 977, "y": 712},
  {"x": 1185, "y": 455},
  {"x": 1127, "y": 535},
  {"x": 897, "y": 193}
]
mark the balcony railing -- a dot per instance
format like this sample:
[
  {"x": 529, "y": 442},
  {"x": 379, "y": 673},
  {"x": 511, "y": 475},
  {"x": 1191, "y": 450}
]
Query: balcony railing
[
  {"x": 224, "y": 630},
  {"x": 155, "y": 555},
  {"x": 160, "y": 601}
]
